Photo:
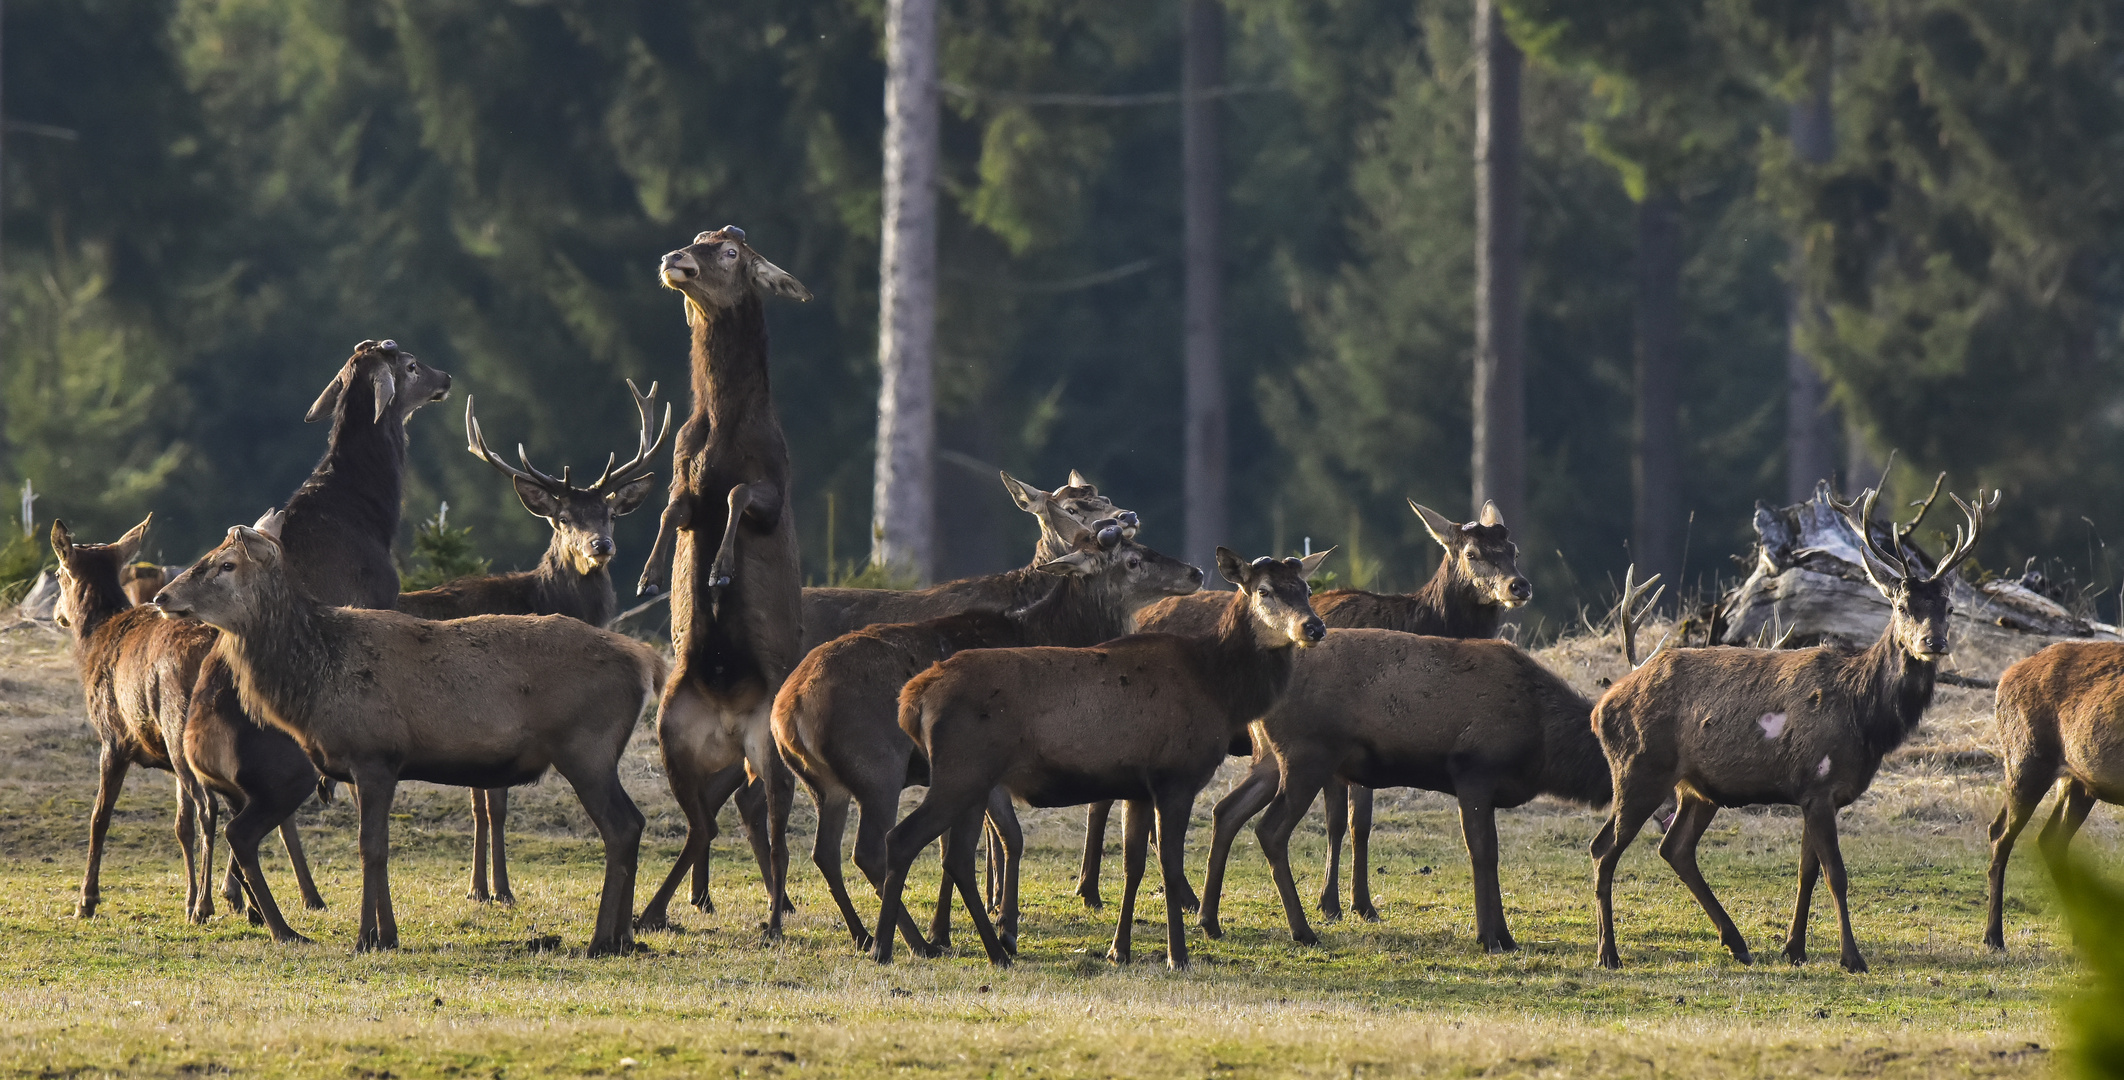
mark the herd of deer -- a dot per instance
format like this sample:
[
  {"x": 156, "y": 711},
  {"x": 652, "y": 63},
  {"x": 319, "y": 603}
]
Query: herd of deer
[{"x": 286, "y": 659}]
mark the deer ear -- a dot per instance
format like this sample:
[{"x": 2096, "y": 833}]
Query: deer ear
[
  {"x": 1028, "y": 499},
  {"x": 1074, "y": 564},
  {"x": 62, "y": 540},
  {"x": 630, "y": 495},
  {"x": 386, "y": 388},
  {"x": 271, "y": 522},
  {"x": 536, "y": 499},
  {"x": 1441, "y": 527},
  {"x": 1234, "y": 568},
  {"x": 1076, "y": 479},
  {"x": 694, "y": 315},
  {"x": 129, "y": 545},
  {"x": 256, "y": 543},
  {"x": 328, "y": 402},
  {"x": 776, "y": 280},
  {"x": 1310, "y": 565},
  {"x": 1489, "y": 515}
]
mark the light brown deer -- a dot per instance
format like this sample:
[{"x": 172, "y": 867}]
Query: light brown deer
[
  {"x": 727, "y": 543},
  {"x": 1477, "y": 581},
  {"x": 1145, "y": 719},
  {"x": 2061, "y": 712},
  {"x": 1801, "y": 727},
  {"x": 376, "y": 697},
  {"x": 572, "y": 579},
  {"x": 836, "y": 719}
]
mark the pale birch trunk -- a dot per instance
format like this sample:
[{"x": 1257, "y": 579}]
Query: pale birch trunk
[
  {"x": 1810, "y": 421},
  {"x": 1500, "y": 429},
  {"x": 903, "y": 500}
]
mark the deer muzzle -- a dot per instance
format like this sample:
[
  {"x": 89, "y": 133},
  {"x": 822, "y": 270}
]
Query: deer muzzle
[
  {"x": 678, "y": 267},
  {"x": 1518, "y": 592}
]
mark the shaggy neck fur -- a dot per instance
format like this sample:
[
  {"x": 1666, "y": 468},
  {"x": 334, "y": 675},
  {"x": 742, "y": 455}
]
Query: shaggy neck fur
[
  {"x": 557, "y": 589},
  {"x": 362, "y": 476},
  {"x": 93, "y": 594},
  {"x": 730, "y": 361},
  {"x": 1242, "y": 670},
  {"x": 279, "y": 653},
  {"x": 1449, "y": 606},
  {"x": 1891, "y": 689},
  {"x": 1080, "y": 611}
]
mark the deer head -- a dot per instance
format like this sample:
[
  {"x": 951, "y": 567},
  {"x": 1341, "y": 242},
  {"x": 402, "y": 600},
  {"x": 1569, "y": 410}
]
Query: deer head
[
  {"x": 1147, "y": 574},
  {"x": 719, "y": 269},
  {"x": 396, "y": 379},
  {"x": 1481, "y": 553},
  {"x": 1061, "y": 511},
  {"x": 84, "y": 567},
  {"x": 582, "y": 518},
  {"x": 1277, "y": 596},
  {"x": 229, "y": 582},
  {"x": 1919, "y": 600}
]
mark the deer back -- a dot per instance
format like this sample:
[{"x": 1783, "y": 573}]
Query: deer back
[{"x": 2064, "y": 708}]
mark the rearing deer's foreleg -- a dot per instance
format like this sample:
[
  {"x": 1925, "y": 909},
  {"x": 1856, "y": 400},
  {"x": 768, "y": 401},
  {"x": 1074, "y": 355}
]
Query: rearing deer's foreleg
[
  {"x": 678, "y": 514},
  {"x": 763, "y": 501}
]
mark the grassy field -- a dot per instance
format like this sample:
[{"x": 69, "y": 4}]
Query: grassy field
[{"x": 137, "y": 991}]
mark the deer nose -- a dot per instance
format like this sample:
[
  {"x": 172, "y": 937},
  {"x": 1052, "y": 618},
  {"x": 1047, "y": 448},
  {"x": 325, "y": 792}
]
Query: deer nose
[
  {"x": 1315, "y": 630},
  {"x": 1194, "y": 574},
  {"x": 1127, "y": 518},
  {"x": 1522, "y": 589},
  {"x": 601, "y": 545},
  {"x": 678, "y": 266}
]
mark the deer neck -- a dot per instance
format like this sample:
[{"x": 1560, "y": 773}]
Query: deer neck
[
  {"x": 279, "y": 654},
  {"x": 1448, "y": 606},
  {"x": 1247, "y": 673},
  {"x": 730, "y": 362},
  {"x": 563, "y": 591},
  {"x": 1077, "y": 612},
  {"x": 1900, "y": 691},
  {"x": 93, "y": 601},
  {"x": 365, "y": 462}
]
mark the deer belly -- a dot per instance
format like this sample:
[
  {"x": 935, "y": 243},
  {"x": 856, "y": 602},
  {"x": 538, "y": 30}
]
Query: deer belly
[{"x": 490, "y": 775}]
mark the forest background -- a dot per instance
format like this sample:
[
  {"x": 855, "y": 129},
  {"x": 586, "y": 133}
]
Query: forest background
[{"x": 208, "y": 202}]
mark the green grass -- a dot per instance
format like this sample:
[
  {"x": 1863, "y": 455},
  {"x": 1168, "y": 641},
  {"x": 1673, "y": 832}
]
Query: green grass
[{"x": 137, "y": 991}]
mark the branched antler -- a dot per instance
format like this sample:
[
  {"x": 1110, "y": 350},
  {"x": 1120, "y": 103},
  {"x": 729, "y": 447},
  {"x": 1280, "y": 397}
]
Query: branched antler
[
  {"x": 476, "y": 442},
  {"x": 1633, "y": 613},
  {"x": 647, "y": 449}
]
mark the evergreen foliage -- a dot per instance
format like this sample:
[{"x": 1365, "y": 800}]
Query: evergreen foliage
[{"x": 440, "y": 554}]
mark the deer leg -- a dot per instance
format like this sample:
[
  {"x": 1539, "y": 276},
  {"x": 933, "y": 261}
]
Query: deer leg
[
  {"x": 700, "y": 830},
  {"x": 940, "y": 920},
  {"x": 1361, "y": 853},
  {"x": 678, "y": 514},
  {"x": 253, "y": 821},
  {"x": 1179, "y": 892},
  {"x": 961, "y": 866},
  {"x": 1810, "y": 870},
  {"x": 1135, "y": 847},
  {"x": 1335, "y": 809},
  {"x": 826, "y": 855},
  {"x": 762, "y": 500},
  {"x": 879, "y": 802},
  {"x": 111, "y": 778},
  {"x": 1691, "y": 818},
  {"x": 1478, "y": 827},
  {"x": 2025, "y": 788},
  {"x": 1821, "y": 828},
  {"x": 374, "y": 791},
  {"x": 498, "y": 832},
  {"x": 1173, "y": 810},
  {"x": 1274, "y": 835},
  {"x": 235, "y": 888},
  {"x": 907, "y": 839},
  {"x": 477, "y": 891},
  {"x": 2071, "y": 812},
  {"x": 292, "y": 841},
  {"x": 1232, "y": 813},
  {"x": 1094, "y": 851},
  {"x": 751, "y": 798},
  {"x": 1009, "y": 838},
  {"x": 1632, "y": 807},
  {"x": 752, "y": 812},
  {"x": 195, "y": 876},
  {"x": 619, "y": 825},
  {"x": 779, "y": 789}
]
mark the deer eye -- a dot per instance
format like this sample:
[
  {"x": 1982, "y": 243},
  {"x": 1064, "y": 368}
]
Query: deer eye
[{"x": 228, "y": 568}]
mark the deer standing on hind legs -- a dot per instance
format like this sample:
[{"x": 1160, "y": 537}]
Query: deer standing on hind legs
[
  {"x": 1477, "y": 581},
  {"x": 572, "y": 579},
  {"x": 727, "y": 546},
  {"x": 1802, "y": 727}
]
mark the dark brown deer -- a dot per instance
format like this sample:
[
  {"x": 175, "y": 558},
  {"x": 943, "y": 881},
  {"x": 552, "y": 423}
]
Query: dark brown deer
[
  {"x": 1800, "y": 727},
  {"x": 572, "y": 579},
  {"x": 138, "y": 671},
  {"x": 836, "y": 719},
  {"x": 376, "y": 697},
  {"x": 141, "y": 581},
  {"x": 1477, "y": 581},
  {"x": 1144, "y": 719},
  {"x": 727, "y": 544},
  {"x": 2059, "y": 714}
]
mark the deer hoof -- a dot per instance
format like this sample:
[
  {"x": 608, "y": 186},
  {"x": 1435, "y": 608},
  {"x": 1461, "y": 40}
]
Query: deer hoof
[
  {"x": 1330, "y": 913},
  {"x": 1741, "y": 953},
  {"x": 1366, "y": 912},
  {"x": 255, "y": 917},
  {"x": 648, "y": 921},
  {"x": 1117, "y": 955},
  {"x": 1609, "y": 959},
  {"x": 878, "y": 953},
  {"x": 1211, "y": 928},
  {"x": 1795, "y": 954},
  {"x": 505, "y": 897},
  {"x": 290, "y": 937},
  {"x": 85, "y": 909},
  {"x": 863, "y": 941},
  {"x": 1855, "y": 964},
  {"x": 1306, "y": 937},
  {"x": 315, "y": 903},
  {"x": 1092, "y": 902}
]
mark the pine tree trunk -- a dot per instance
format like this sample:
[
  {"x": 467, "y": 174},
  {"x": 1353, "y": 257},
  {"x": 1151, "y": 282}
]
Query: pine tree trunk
[
  {"x": 1810, "y": 421},
  {"x": 1655, "y": 463},
  {"x": 903, "y": 499},
  {"x": 1500, "y": 428},
  {"x": 1205, "y": 486}
]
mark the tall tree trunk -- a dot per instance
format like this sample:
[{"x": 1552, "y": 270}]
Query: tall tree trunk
[
  {"x": 1655, "y": 463},
  {"x": 1500, "y": 463},
  {"x": 1204, "y": 486},
  {"x": 1810, "y": 420},
  {"x": 903, "y": 500}
]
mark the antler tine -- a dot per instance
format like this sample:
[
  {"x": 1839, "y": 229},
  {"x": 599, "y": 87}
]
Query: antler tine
[
  {"x": 1632, "y": 613},
  {"x": 1965, "y": 540},
  {"x": 645, "y": 404},
  {"x": 557, "y": 484},
  {"x": 1924, "y": 506},
  {"x": 476, "y": 443},
  {"x": 1863, "y": 526}
]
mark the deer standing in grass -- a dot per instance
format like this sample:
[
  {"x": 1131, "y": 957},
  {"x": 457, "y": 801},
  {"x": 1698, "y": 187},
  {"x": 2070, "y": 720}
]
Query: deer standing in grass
[
  {"x": 2061, "y": 712},
  {"x": 572, "y": 579},
  {"x": 727, "y": 544},
  {"x": 1477, "y": 581},
  {"x": 1144, "y": 719},
  {"x": 836, "y": 719},
  {"x": 377, "y": 697},
  {"x": 1802, "y": 727}
]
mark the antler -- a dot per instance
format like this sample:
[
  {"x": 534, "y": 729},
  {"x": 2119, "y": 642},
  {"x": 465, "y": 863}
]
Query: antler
[
  {"x": 476, "y": 443},
  {"x": 1965, "y": 541},
  {"x": 1862, "y": 525},
  {"x": 1633, "y": 613},
  {"x": 634, "y": 469}
]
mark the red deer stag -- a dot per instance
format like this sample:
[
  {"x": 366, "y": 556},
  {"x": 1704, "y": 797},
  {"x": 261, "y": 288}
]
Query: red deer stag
[
  {"x": 138, "y": 671},
  {"x": 572, "y": 579},
  {"x": 1477, "y": 581},
  {"x": 1800, "y": 727},
  {"x": 727, "y": 543},
  {"x": 1144, "y": 719},
  {"x": 836, "y": 719},
  {"x": 376, "y": 697},
  {"x": 2061, "y": 712}
]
